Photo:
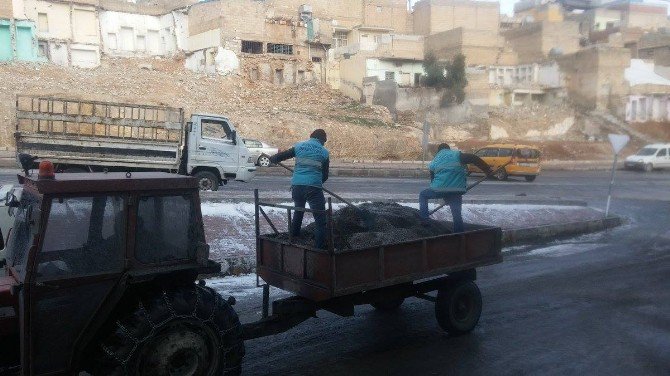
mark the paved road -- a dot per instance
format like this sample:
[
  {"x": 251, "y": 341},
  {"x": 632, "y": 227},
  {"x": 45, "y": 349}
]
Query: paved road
[{"x": 598, "y": 304}]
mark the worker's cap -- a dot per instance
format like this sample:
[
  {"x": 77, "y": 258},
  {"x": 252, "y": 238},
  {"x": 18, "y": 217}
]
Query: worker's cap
[{"x": 320, "y": 135}]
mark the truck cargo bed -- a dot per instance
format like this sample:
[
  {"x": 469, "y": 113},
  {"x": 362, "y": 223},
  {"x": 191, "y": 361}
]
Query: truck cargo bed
[{"x": 82, "y": 132}]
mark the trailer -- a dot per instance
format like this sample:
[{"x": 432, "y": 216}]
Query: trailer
[
  {"x": 93, "y": 136},
  {"x": 383, "y": 276}
]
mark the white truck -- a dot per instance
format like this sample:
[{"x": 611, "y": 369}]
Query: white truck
[{"x": 87, "y": 136}]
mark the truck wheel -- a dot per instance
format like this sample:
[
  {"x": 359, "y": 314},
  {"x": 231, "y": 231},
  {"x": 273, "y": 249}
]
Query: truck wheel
[
  {"x": 530, "y": 178},
  {"x": 388, "y": 305},
  {"x": 458, "y": 307},
  {"x": 184, "y": 331},
  {"x": 263, "y": 161},
  {"x": 207, "y": 181}
]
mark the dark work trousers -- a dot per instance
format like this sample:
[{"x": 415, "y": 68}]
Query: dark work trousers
[
  {"x": 314, "y": 196},
  {"x": 453, "y": 199}
]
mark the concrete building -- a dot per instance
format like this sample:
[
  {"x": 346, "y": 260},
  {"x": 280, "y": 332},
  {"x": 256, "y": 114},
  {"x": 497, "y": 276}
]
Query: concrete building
[
  {"x": 655, "y": 47},
  {"x": 359, "y": 70},
  {"x": 594, "y": 77},
  {"x": 536, "y": 41},
  {"x": 67, "y": 31},
  {"x": 529, "y": 82},
  {"x": 550, "y": 12},
  {"x": 435, "y": 16},
  {"x": 480, "y": 47},
  {"x": 132, "y": 34},
  {"x": 649, "y": 98}
]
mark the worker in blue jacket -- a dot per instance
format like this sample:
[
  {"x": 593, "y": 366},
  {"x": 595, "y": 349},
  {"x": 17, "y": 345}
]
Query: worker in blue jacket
[
  {"x": 448, "y": 181},
  {"x": 311, "y": 171}
]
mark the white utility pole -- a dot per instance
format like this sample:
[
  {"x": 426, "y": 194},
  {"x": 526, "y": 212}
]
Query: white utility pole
[{"x": 618, "y": 142}]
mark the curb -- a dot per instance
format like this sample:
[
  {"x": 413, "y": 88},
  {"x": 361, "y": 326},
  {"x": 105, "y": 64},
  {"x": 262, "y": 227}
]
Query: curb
[
  {"x": 556, "y": 231},
  {"x": 246, "y": 265}
]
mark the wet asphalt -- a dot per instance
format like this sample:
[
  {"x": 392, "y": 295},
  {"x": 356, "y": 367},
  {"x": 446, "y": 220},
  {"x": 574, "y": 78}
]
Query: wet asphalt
[{"x": 597, "y": 305}]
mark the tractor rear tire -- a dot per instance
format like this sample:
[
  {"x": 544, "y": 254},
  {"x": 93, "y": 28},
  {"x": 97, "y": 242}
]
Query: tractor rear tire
[
  {"x": 388, "y": 305},
  {"x": 187, "y": 330},
  {"x": 458, "y": 307}
]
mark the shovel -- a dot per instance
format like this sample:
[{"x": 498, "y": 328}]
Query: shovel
[
  {"x": 471, "y": 186},
  {"x": 368, "y": 218}
]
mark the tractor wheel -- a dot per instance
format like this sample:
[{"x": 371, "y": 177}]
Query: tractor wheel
[
  {"x": 458, "y": 307},
  {"x": 183, "y": 331},
  {"x": 207, "y": 181},
  {"x": 388, "y": 305},
  {"x": 501, "y": 175},
  {"x": 530, "y": 178}
]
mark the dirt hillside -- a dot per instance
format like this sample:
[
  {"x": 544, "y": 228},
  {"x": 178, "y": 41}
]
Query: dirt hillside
[{"x": 277, "y": 115}]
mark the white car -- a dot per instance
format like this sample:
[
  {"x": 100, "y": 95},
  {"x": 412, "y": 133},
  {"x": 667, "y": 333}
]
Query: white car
[
  {"x": 259, "y": 151},
  {"x": 650, "y": 157}
]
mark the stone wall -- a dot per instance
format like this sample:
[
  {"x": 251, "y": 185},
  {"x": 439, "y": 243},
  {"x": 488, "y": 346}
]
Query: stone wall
[
  {"x": 533, "y": 42},
  {"x": 6, "y": 9},
  {"x": 594, "y": 77},
  {"x": 434, "y": 16}
]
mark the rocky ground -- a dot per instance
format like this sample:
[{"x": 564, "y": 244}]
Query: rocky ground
[{"x": 283, "y": 115}]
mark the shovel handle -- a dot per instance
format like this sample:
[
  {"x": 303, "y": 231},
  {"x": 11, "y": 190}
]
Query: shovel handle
[
  {"x": 471, "y": 186},
  {"x": 324, "y": 189}
]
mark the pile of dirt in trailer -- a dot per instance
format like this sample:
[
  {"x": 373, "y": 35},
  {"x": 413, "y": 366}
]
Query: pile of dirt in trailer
[{"x": 375, "y": 224}]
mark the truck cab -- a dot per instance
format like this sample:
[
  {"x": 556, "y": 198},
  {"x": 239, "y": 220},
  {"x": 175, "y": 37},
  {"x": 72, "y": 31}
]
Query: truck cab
[
  {"x": 100, "y": 277},
  {"x": 216, "y": 152}
]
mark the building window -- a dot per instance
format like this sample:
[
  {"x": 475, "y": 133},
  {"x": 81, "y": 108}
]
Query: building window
[
  {"x": 389, "y": 75},
  {"x": 43, "y": 22},
  {"x": 251, "y": 47},
  {"x": 285, "y": 49},
  {"x": 340, "y": 38},
  {"x": 379, "y": 9},
  {"x": 316, "y": 59},
  {"x": 417, "y": 79},
  {"x": 43, "y": 48},
  {"x": 378, "y": 39}
]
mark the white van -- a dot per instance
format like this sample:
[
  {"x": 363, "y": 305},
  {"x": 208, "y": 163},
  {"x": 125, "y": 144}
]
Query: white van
[{"x": 650, "y": 157}]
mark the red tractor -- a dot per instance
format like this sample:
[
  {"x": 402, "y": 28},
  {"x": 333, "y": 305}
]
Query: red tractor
[{"x": 101, "y": 277}]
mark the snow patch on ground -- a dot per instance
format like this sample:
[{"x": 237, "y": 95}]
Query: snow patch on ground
[{"x": 564, "y": 249}]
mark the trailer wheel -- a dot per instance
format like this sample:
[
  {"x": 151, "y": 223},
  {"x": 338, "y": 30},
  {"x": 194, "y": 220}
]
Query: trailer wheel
[
  {"x": 458, "y": 307},
  {"x": 388, "y": 305},
  {"x": 184, "y": 331},
  {"x": 207, "y": 181}
]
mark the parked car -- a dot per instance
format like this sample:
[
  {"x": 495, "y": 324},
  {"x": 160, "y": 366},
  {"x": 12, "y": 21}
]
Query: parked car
[
  {"x": 258, "y": 148},
  {"x": 650, "y": 157},
  {"x": 524, "y": 160}
]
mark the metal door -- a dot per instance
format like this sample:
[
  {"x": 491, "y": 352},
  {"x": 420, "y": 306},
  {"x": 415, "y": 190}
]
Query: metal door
[
  {"x": 77, "y": 265},
  {"x": 215, "y": 144}
]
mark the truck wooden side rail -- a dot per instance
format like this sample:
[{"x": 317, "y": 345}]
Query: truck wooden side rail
[{"x": 83, "y": 132}]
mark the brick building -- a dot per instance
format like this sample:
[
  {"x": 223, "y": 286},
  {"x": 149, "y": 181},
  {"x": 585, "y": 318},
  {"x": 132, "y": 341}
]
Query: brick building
[
  {"x": 594, "y": 76},
  {"x": 435, "y": 16},
  {"x": 480, "y": 47},
  {"x": 535, "y": 41}
]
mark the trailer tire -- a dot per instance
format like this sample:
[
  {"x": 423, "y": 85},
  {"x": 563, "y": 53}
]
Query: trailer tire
[
  {"x": 207, "y": 181},
  {"x": 184, "y": 330},
  {"x": 388, "y": 305},
  {"x": 458, "y": 307}
]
